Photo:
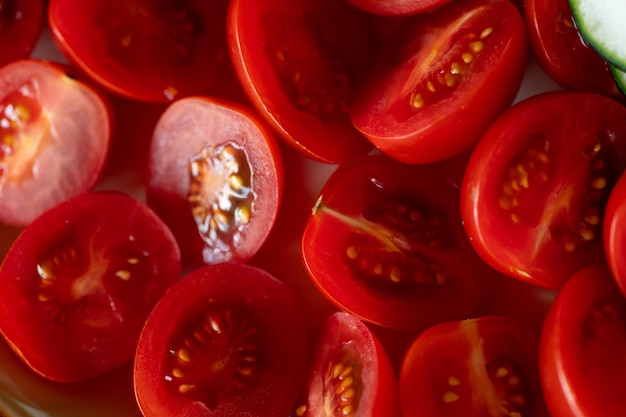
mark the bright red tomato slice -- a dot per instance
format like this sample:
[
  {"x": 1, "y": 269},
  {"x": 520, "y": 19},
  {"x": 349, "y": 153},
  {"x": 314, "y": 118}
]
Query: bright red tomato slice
[
  {"x": 397, "y": 7},
  {"x": 386, "y": 243},
  {"x": 562, "y": 52},
  {"x": 442, "y": 79},
  {"x": 351, "y": 374},
  {"x": 582, "y": 347},
  {"x": 473, "y": 368},
  {"x": 21, "y": 23},
  {"x": 215, "y": 177},
  {"x": 614, "y": 228},
  {"x": 298, "y": 61},
  {"x": 79, "y": 282},
  {"x": 537, "y": 183},
  {"x": 54, "y": 133},
  {"x": 150, "y": 50},
  {"x": 227, "y": 340}
]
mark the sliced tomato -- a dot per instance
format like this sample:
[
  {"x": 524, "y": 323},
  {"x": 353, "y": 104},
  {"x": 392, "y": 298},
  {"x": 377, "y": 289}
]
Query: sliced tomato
[
  {"x": 398, "y": 7},
  {"x": 562, "y": 52},
  {"x": 150, "y": 50},
  {"x": 215, "y": 176},
  {"x": 351, "y": 374},
  {"x": 21, "y": 23},
  {"x": 55, "y": 134},
  {"x": 582, "y": 347},
  {"x": 442, "y": 79},
  {"x": 536, "y": 186},
  {"x": 79, "y": 282},
  {"x": 614, "y": 229},
  {"x": 228, "y": 339},
  {"x": 385, "y": 242},
  {"x": 298, "y": 62},
  {"x": 473, "y": 368}
]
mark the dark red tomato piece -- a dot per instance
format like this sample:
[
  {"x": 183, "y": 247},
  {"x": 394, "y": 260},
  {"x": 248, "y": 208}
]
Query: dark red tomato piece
[
  {"x": 351, "y": 374},
  {"x": 215, "y": 176},
  {"x": 54, "y": 138},
  {"x": 537, "y": 184},
  {"x": 442, "y": 79},
  {"x": 298, "y": 61},
  {"x": 614, "y": 228},
  {"x": 79, "y": 282},
  {"x": 582, "y": 347},
  {"x": 21, "y": 23},
  {"x": 149, "y": 50},
  {"x": 398, "y": 7},
  {"x": 473, "y": 368},
  {"x": 386, "y": 243},
  {"x": 561, "y": 51},
  {"x": 228, "y": 339}
]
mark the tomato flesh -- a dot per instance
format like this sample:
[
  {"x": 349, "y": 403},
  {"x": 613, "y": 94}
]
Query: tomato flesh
[
  {"x": 21, "y": 23},
  {"x": 227, "y": 339},
  {"x": 79, "y": 282},
  {"x": 537, "y": 184}
]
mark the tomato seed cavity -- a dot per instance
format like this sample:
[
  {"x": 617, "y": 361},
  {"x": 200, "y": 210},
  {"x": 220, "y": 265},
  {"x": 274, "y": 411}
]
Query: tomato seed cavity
[
  {"x": 342, "y": 394},
  {"x": 509, "y": 385},
  {"x": 221, "y": 197}
]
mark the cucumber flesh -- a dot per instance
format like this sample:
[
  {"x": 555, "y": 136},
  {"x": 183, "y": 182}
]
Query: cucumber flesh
[{"x": 602, "y": 23}]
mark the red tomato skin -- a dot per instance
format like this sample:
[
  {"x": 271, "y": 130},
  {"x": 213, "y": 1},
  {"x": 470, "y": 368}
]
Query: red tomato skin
[
  {"x": 330, "y": 138},
  {"x": 561, "y": 52},
  {"x": 383, "y": 108},
  {"x": 377, "y": 183},
  {"x": 614, "y": 233},
  {"x": 582, "y": 344},
  {"x": 398, "y": 7},
  {"x": 571, "y": 123},
  {"x": 136, "y": 36},
  {"x": 282, "y": 334},
  {"x": 344, "y": 334},
  {"x": 69, "y": 121},
  {"x": 60, "y": 344},
  {"x": 184, "y": 129},
  {"x": 21, "y": 23},
  {"x": 463, "y": 350}
]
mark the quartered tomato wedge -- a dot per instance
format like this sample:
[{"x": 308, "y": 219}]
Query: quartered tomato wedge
[
  {"x": 215, "y": 177},
  {"x": 299, "y": 62},
  {"x": 79, "y": 282},
  {"x": 149, "y": 50},
  {"x": 473, "y": 368},
  {"x": 54, "y": 138},
  {"x": 351, "y": 374},
  {"x": 21, "y": 23},
  {"x": 385, "y": 242},
  {"x": 562, "y": 52},
  {"x": 536, "y": 186},
  {"x": 442, "y": 79},
  {"x": 582, "y": 347},
  {"x": 398, "y": 7},
  {"x": 227, "y": 340}
]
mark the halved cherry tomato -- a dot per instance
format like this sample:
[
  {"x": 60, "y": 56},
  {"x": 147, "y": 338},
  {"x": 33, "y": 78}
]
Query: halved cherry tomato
[
  {"x": 562, "y": 52},
  {"x": 582, "y": 347},
  {"x": 149, "y": 50},
  {"x": 215, "y": 177},
  {"x": 21, "y": 23},
  {"x": 397, "y": 7},
  {"x": 351, "y": 374},
  {"x": 614, "y": 229},
  {"x": 227, "y": 340},
  {"x": 79, "y": 282},
  {"x": 537, "y": 183},
  {"x": 442, "y": 79},
  {"x": 298, "y": 61},
  {"x": 54, "y": 138},
  {"x": 473, "y": 368},
  {"x": 386, "y": 243}
]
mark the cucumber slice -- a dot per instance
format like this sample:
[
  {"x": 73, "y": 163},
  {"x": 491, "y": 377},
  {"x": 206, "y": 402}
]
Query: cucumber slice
[
  {"x": 620, "y": 78},
  {"x": 603, "y": 25}
]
